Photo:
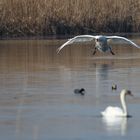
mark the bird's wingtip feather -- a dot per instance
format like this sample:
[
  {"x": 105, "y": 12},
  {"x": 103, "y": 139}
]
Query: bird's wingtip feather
[{"x": 57, "y": 51}]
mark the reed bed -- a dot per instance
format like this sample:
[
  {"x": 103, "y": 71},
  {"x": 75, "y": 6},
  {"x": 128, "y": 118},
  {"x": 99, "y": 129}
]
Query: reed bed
[{"x": 63, "y": 17}]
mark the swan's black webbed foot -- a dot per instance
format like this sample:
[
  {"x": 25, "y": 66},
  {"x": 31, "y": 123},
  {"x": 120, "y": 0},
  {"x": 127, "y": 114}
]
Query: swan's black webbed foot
[
  {"x": 94, "y": 51},
  {"x": 111, "y": 51}
]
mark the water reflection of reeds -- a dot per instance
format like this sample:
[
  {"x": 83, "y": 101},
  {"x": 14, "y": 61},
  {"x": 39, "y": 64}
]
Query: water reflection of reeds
[{"x": 32, "y": 55}]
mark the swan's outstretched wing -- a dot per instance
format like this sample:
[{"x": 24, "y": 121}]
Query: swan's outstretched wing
[
  {"x": 76, "y": 39},
  {"x": 123, "y": 39}
]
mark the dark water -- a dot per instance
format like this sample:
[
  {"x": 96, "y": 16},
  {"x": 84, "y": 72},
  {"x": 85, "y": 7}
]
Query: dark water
[{"x": 36, "y": 91}]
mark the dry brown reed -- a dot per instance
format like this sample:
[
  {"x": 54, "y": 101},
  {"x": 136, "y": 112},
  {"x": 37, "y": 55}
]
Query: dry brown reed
[{"x": 55, "y": 17}]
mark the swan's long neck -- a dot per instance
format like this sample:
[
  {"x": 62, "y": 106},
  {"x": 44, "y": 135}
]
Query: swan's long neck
[{"x": 123, "y": 102}]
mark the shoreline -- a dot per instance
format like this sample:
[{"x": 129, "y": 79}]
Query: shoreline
[{"x": 59, "y": 37}]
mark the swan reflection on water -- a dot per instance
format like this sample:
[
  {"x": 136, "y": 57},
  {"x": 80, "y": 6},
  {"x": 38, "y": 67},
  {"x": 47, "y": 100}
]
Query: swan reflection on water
[{"x": 115, "y": 125}]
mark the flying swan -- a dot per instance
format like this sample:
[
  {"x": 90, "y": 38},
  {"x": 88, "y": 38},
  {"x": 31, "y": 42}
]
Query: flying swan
[
  {"x": 101, "y": 42},
  {"x": 116, "y": 111}
]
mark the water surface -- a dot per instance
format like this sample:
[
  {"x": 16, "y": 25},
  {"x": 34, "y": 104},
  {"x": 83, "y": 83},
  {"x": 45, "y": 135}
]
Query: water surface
[{"x": 36, "y": 91}]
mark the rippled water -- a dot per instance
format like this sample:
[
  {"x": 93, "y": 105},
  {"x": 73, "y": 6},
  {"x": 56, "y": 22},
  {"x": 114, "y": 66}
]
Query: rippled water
[{"x": 37, "y": 101}]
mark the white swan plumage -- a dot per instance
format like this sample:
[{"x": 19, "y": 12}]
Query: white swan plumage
[
  {"x": 101, "y": 42},
  {"x": 116, "y": 111}
]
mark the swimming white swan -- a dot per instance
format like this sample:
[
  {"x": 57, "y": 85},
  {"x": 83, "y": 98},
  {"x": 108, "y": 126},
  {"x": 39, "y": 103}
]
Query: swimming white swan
[
  {"x": 116, "y": 111},
  {"x": 101, "y": 42}
]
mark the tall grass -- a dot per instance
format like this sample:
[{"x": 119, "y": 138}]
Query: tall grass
[{"x": 54, "y": 17}]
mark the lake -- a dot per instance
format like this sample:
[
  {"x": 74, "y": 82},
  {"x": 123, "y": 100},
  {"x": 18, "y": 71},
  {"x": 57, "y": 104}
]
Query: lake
[{"x": 37, "y": 100}]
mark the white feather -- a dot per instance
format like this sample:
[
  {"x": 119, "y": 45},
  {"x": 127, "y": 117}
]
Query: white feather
[
  {"x": 112, "y": 111},
  {"x": 77, "y": 39},
  {"x": 123, "y": 39}
]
